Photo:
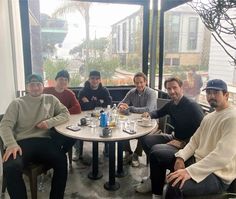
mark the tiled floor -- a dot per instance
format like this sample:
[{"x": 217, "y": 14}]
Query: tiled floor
[{"x": 79, "y": 186}]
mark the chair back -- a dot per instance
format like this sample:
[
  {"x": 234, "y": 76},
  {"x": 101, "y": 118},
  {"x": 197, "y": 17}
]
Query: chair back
[{"x": 164, "y": 122}]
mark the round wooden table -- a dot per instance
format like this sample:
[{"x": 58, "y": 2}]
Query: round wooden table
[{"x": 92, "y": 134}]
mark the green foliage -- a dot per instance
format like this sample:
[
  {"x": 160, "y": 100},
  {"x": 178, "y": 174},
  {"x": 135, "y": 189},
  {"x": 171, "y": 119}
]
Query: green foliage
[
  {"x": 133, "y": 63},
  {"x": 51, "y": 67},
  {"x": 106, "y": 67},
  {"x": 75, "y": 79},
  {"x": 181, "y": 71},
  {"x": 99, "y": 45}
]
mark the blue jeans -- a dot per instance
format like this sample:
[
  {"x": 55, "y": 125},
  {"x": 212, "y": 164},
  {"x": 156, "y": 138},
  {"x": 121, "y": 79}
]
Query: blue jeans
[{"x": 210, "y": 185}]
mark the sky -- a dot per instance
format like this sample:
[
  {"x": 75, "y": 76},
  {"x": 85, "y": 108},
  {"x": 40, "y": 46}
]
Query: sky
[{"x": 102, "y": 16}]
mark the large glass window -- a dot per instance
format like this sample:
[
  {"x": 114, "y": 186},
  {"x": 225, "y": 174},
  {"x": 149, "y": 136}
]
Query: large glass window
[
  {"x": 193, "y": 54},
  {"x": 82, "y": 36},
  {"x": 192, "y": 33},
  {"x": 187, "y": 49}
]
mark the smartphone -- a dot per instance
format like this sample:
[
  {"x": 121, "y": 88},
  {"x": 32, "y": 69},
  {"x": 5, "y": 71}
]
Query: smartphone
[
  {"x": 73, "y": 128},
  {"x": 129, "y": 131}
]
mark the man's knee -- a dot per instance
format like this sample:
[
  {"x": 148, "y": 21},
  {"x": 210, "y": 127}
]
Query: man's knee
[{"x": 12, "y": 165}]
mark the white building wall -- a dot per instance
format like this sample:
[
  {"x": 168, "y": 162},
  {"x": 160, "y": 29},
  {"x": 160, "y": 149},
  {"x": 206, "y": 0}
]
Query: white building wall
[
  {"x": 9, "y": 60},
  {"x": 220, "y": 64}
]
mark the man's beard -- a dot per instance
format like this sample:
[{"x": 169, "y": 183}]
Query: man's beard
[{"x": 213, "y": 103}]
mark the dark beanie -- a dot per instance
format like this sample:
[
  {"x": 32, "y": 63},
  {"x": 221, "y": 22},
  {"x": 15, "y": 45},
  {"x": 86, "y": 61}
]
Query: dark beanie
[
  {"x": 94, "y": 73},
  {"x": 63, "y": 73}
]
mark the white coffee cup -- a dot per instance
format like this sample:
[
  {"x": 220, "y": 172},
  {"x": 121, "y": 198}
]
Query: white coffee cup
[{"x": 146, "y": 121}]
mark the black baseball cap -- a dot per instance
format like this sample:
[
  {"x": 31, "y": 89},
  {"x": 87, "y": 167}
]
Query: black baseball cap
[
  {"x": 95, "y": 73},
  {"x": 216, "y": 84}
]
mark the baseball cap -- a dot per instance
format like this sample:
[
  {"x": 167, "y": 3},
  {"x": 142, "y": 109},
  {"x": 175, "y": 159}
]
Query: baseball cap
[
  {"x": 63, "y": 73},
  {"x": 94, "y": 73},
  {"x": 216, "y": 84},
  {"x": 34, "y": 78}
]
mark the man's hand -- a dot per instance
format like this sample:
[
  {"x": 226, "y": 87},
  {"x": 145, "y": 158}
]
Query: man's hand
[
  {"x": 84, "y": 99},
  {"x": 123, "y": 107},
  {"x": 94, "y": 99},
  {"x": 42, "y": 125},
  {"x": 178, "y": 177},
  {"x": 176, "y": 143},
  {"x": 179, "y": 164},
  {"x": 145, "y": 114},
  {"x": 11, "y": 151}
]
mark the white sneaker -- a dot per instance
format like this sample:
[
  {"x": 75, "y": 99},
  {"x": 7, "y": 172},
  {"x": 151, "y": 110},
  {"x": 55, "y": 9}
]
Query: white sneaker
[
  {"x": 144, "y": 187},
  {"x": 156, "y": 196}
]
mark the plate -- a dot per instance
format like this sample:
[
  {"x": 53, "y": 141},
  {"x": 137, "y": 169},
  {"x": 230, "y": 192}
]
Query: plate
[{"x": 144, "y": 125}]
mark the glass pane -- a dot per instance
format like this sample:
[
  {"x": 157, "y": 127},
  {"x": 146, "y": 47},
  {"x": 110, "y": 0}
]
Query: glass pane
[
  {"x": 186, "y": 51},
  {"x": 84, "y": 36},
  {"x": 192, "y": 53}
]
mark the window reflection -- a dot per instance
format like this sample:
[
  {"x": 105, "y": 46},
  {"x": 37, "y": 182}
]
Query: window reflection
[{"x": 83, "y": 36}]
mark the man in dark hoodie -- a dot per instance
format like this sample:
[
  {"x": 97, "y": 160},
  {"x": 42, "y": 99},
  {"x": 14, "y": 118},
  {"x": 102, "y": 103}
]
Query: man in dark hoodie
[{"x": 92, "y": 95}]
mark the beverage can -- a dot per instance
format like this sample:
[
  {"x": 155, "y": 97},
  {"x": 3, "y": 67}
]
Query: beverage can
[{"x": 103, "y": 119}]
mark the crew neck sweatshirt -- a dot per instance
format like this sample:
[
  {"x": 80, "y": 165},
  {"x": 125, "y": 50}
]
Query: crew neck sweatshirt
[
  {"x": 23, "y": 114},
  {"x": 213, "y": 146},
  {"x": 66, "y": 97}
]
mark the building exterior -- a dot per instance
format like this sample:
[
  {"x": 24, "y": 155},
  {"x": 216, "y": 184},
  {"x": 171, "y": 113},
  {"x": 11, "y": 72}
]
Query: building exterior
[
  {"x": 186, "y": 38},
  {"x": 127, "y": 39}
]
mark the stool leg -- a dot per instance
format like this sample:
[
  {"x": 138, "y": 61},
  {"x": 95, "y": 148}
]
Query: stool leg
[
  {"x": 33, "y": 186},
  {"x": 70, "y": 157},
  {"x": 4, "y": 184}
]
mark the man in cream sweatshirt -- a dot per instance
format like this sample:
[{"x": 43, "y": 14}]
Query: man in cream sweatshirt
[
  {"x": 26, "y": 133},
  {"x": 207, "y": 164}
]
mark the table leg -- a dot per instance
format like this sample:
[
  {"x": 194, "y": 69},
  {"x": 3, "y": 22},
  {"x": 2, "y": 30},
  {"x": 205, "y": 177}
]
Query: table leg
[
  {"x": 112, "y": 185},
  {"x": 95, "y": 174},
  {"x": 120, "y": 170}
]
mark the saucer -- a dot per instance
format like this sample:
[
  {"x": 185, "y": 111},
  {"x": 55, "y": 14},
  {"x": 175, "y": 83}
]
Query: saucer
[{"x": 144, "y": 124}]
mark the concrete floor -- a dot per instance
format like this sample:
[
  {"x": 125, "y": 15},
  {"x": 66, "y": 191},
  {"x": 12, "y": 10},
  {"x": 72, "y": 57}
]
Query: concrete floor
[{"x": 79, "y": 186}]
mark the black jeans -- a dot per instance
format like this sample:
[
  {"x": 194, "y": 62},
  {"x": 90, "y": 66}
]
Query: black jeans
[{"x": 36, "y": 150}]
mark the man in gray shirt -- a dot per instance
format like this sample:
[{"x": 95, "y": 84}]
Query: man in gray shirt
[{"x": 138, "y": 100}]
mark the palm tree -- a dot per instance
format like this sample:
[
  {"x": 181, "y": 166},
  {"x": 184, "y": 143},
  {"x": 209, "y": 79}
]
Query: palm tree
[{"x": 77, "y": 6}]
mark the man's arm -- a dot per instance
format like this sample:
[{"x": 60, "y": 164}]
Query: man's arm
[
  {"x": 61, "y": 114},
  {"x": 84, "y": 101},
  {"x": 7, "y": 124},
  {"x": 220, "y": 156},
  {"x": 150, "y": 104},
  {"x": 126, "y": 99},
  {"x": 75, "y": 106}
]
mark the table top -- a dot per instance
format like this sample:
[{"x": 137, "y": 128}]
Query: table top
[{"x": 88, "y": 133}]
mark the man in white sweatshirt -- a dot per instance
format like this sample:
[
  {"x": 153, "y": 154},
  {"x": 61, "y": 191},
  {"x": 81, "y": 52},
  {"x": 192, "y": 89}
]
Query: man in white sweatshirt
[
  {"x": 206, "y": 165},
  {"x": 26, "y": 132}
]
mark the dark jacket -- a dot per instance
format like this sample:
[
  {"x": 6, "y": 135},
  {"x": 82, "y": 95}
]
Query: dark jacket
[
  {"x": 186, "y": 117},
  {"x": 97, "y": 98}
]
